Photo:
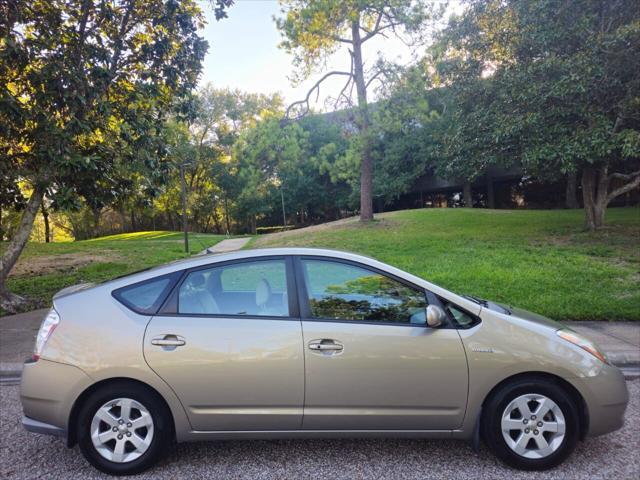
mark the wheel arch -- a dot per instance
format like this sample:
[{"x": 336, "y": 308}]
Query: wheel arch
[
  {"x": 77, "y": 405},
  {"x": 583, "y": 411}
]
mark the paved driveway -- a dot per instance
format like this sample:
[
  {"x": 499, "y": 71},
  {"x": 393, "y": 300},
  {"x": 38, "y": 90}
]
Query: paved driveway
[{"x": 615, "y": 456}]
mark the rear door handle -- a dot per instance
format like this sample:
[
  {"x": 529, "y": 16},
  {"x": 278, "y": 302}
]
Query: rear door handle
[
  {"x": 168, "y": 341},
  {"x": 325, "y": 345}
]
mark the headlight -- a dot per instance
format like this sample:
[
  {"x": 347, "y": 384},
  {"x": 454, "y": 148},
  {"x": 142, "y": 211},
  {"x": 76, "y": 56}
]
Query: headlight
[
  {"x": 580, "y": 341},
  {"x": 49, "y": 324}
]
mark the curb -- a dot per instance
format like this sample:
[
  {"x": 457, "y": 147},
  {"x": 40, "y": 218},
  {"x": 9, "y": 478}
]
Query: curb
[
  {"x": 631, "y": 374},
  {"x": 10, "y": 373},
  {"x": 9, "y": 369}
]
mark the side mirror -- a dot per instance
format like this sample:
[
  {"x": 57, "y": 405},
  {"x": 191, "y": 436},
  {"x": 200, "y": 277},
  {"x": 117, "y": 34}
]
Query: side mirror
[{"x": 435, "y": 316}]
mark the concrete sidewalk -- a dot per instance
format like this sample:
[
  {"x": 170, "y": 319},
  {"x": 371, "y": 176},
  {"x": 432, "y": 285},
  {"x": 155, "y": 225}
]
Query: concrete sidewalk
[
  {"x": 17, "y": 339},
  {"x": 228, "y": 245},
  {"x": 619, "y": 340}
]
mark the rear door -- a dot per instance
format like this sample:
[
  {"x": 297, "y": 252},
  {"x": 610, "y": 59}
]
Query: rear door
[
  {"x": 371, "y": 361},
  {"x": 229, "y": 343}
]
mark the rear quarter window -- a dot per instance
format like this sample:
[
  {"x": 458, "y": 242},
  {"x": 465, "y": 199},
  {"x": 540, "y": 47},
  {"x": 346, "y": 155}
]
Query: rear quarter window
[{"x": 146, "y": 297}]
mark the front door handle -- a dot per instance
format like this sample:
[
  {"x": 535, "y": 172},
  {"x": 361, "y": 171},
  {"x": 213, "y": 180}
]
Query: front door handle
[
  {"x": 325, "y": 345},
  {"x": 168, "y": 341}
]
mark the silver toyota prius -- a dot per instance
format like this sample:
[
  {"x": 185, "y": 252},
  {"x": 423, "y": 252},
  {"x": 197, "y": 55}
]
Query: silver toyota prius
[{"x": 294, "y": 342}]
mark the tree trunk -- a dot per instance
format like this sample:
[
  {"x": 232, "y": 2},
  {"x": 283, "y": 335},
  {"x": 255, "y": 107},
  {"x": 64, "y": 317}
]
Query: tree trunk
[
  {"x": 491, "y": 197},
  {"x": 123, "y": 220},
  {"x": 134, "y": 224},
  {"x": 226, "y": 214},
  {"x": 47, "y": 227},
  {"x": 9, "y": 301},
  {"x": 216, "y": 221},
  {"x": 183, "y": 194},
  {"x": 96, "y": 221},
  {"x": 466, "y": 195},
  {"x": 594, "y": 195},
  {"x": 366, "y": 162},
  {"x": 571, "y": 200}
]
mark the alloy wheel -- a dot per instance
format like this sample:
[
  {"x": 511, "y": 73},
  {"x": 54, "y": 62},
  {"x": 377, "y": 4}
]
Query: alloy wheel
[
  {"x": 533, "y": 426},
  {"x": 122, "y": 430}
]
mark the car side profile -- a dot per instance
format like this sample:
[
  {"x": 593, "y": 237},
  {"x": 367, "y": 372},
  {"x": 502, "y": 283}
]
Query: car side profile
[{"x": 298, "y": 343}]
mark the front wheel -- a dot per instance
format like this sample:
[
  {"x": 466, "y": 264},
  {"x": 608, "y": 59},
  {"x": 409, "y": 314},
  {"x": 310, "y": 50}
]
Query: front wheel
[
  {"x": 531, "y": 424},
  {"x": 123, "y": 428}
]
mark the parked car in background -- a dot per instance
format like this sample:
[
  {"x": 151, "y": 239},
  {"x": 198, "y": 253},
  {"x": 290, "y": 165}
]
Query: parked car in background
[{"x": 291, "y": 343}]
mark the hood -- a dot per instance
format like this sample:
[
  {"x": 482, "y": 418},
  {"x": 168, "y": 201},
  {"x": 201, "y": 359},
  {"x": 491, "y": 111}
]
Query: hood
[
  {"x": 517, "y": 312},
  {"x": 533, "y": 317},
  {"x": 73, "y": 289}
]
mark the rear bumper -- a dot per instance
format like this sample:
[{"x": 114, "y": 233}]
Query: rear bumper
[
  {"x": 35, "y": 426},
  {"x": 48, "y": 391}
]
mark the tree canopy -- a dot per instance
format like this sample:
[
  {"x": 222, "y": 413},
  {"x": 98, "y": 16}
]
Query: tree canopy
[
  {"x": 552, "y": 86},
  {"x": 101, "y": 116},
  {"x": 83, "y": 87}
]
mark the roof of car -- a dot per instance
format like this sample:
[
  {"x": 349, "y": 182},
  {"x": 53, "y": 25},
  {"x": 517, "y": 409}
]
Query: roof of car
[
  {"x": 209, "y": 258},
  {"x": 261, "y": 252}
]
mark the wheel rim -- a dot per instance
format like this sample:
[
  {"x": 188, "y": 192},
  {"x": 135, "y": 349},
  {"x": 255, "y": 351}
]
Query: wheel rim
[
  {"x": 122, "y": 430},
  {"x": 533, "y": 426}
]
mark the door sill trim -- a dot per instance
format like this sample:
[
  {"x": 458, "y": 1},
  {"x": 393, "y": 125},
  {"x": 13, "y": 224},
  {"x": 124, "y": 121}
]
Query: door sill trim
[{"x": 196, "y": 435}]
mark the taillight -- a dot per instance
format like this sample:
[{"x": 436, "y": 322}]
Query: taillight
[{"x": 49, "y": 324}]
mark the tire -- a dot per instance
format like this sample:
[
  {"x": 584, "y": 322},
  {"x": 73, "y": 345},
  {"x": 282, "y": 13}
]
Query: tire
[
  {"x": 503, "y": 409},
  {"x": 149, "y": 427}
]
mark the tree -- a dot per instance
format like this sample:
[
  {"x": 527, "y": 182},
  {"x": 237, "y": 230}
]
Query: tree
[
  {"x": 79, "y": 82},
  {"x": 263, "y": 154},
  {"x": 407, "y": 125},
  {"x": 313, "y": 30},
  {"x": 551, "y": 85},
  {"x": 320, "y": 194},
  {"x": 221, "y": 116},
  {"x": 290, "y": 163}
]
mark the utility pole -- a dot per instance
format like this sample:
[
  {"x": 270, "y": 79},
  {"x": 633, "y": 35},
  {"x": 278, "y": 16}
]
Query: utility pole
[{"x": 184, "y": 208}]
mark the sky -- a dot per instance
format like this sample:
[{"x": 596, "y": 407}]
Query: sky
[{"x": 244, "y": 54}]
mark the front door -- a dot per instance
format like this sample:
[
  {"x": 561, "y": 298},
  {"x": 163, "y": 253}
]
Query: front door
[
  {"x": 232, "y": 350},
  {"x": 371, "y": 361}
]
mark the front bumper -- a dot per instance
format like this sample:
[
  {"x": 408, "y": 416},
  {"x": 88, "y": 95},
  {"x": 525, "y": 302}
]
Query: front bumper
[
  {"x": 606, "y": 397},
  {"x": 35, "y": 426}
]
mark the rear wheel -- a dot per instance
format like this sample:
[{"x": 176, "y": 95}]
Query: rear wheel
[
  {"x": 531, "y": 424},
  {"x": 123, "y": 428}
]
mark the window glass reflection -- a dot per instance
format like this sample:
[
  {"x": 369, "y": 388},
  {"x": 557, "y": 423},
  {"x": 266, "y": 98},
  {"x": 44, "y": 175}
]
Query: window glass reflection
[{"x": 347, "y": 292}]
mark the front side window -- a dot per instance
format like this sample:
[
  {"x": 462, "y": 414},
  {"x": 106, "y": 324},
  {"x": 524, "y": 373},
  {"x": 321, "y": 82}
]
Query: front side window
[
  {"x": 247, "y": 288},
  {"x": 347, "y": 292},
  {"x": 461, "y": 317}
]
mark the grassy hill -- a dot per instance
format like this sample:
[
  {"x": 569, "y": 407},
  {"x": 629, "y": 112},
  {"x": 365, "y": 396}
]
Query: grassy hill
[
  {"x": 539, "y": 260},
  {"x": 45, "y": 268}
]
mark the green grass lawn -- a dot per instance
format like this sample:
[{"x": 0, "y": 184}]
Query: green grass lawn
[
  {"x": 539, "y": 260},
  {"x": 45, "y": 268}
]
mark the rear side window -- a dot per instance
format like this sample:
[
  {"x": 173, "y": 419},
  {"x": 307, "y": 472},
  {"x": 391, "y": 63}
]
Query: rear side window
[
  {"x": 256, "y": 288},
  {"x": 147, "y": 296}
]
